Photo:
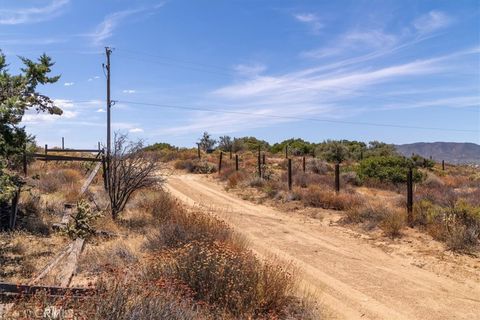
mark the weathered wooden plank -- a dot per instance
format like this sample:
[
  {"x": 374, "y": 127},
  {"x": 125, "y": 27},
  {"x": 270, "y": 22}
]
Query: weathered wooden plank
[
  {"x": 70, "y": 267},
  {"x": 43, "y": 157},
  {"x": 7, "y": 288},
  {"x": 90, "y": 179},
  {"x": 52, "y": 264}
]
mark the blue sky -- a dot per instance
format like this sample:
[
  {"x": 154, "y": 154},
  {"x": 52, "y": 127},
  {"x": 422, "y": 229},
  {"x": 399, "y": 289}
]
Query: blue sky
[{"x": 360, "y": 65}]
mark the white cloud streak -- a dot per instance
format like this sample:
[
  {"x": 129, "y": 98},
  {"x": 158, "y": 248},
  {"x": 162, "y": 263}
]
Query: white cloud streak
[
  {"x": 32, "y": 15},
  {"x": 432, "y": 21},
  {"x": 310, "y": 19},
  {"x": 105, "y": 29}
]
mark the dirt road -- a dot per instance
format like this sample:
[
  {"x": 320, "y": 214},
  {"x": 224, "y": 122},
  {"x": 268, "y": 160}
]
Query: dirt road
[{"x": 352, "y": 278}]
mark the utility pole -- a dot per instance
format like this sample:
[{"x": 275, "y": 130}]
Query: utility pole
[{"x": 108, "y": 51}]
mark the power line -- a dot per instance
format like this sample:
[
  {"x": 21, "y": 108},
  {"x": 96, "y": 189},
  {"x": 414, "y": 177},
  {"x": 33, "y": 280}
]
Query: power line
[{"x": 295, "y": 117}]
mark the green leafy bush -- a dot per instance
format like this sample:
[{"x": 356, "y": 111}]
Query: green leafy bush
[{"x": 392, "y": 169}]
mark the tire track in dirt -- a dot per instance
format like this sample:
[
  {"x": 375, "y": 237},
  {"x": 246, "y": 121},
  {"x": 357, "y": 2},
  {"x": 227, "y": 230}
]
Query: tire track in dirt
[{"x": 350, "y": 276}]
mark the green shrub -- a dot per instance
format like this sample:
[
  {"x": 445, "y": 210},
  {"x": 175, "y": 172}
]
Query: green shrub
[{"x": 387, "y": 169}]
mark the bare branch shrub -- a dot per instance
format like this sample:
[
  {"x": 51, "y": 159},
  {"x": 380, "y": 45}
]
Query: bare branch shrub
[{"x": 131, "y": 168}]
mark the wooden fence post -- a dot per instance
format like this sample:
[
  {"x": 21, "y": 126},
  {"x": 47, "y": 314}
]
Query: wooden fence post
[
  {"x": 410, "y": 197},
  {"x": 443, "y": 165},
  {"x": 198, "y": 151},
  {"x": 236, "y": 162},
  {"x": 286, "y": 152},
  {"x": 25, "y": 165},
  {"x": 337, "y": 177},
  {"x": 263, "y": 159},
  {"x": 46, "y": 152},
  {"x": 290, "y": 174},
  {"x": 304, "y": 164},
  {"x": 104, "y": 167},
  {"x": 220, "y": 162}
]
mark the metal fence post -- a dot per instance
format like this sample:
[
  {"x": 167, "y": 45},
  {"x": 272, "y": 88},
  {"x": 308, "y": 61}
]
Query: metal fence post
[
  {"x": 290, "y": 174},
  {"x": 410, "y": 197},
  {"x": 220, "y": 162},
  {"x": 337, "y": 177}
]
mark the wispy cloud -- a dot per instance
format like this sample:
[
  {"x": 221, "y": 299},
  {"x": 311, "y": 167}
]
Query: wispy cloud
[
  {"x": 129, "y": 91},
  {"x": 105, "y": 29},
  {"x": 135, "y": 130},
  {"x": 432, "y": 21},
  {"x": 68, "y": 84},
  {"x": 310, "y": 19},
  {"x": 355, "y": 40},
  {"x": 32, "y": 15},
  {"x": 249, "y": 70}
]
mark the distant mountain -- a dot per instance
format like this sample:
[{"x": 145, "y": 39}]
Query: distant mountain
[{"x": 451, "y": 152}]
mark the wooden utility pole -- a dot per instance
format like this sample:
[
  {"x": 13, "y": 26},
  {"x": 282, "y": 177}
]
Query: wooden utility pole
[
  {"x": 410, "y": 197},
  {"x": 108, "y": 51}
]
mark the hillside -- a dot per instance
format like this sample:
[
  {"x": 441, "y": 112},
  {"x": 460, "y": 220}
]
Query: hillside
[{"x": 451, "y": 152}]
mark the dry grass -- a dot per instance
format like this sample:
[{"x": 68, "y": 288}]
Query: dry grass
[
  {"x": 393, "y": 221},
  {"x": 318, "y": 197}
]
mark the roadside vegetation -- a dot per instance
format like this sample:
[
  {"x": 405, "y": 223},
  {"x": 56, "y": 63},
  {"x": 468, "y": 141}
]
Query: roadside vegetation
[{"x": 446, "y": 204}]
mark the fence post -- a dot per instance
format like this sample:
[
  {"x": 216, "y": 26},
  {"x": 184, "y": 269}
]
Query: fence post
[
  {"x": 304, "y": 164},
  {"x": 230, "y": 152},
  {"x": 337, "y": 177},
  {"x": 286, "y": 152},
  {"x": 25, "y": 159},
  {"x": 104, "y": 167},
  {"x": 263, "y": 159},
  {"x": 259, "y": 163},
  {"x": 290, "y": 174},
  {"x": 46, "y": 152},
  {"x": 410, "y": 197},
  {"x": 236, "y": 162},
  {"x": 443, "y": 165},
  {"x": 99, "y": 147},
  {"x": 63, "y": 143},
  {"x": 220, "y": 162},
  {"x": 198, "y": 151}
]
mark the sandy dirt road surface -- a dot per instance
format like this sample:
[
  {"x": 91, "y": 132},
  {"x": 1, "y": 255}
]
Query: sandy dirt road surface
[{"x": 351, "y": 278}]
